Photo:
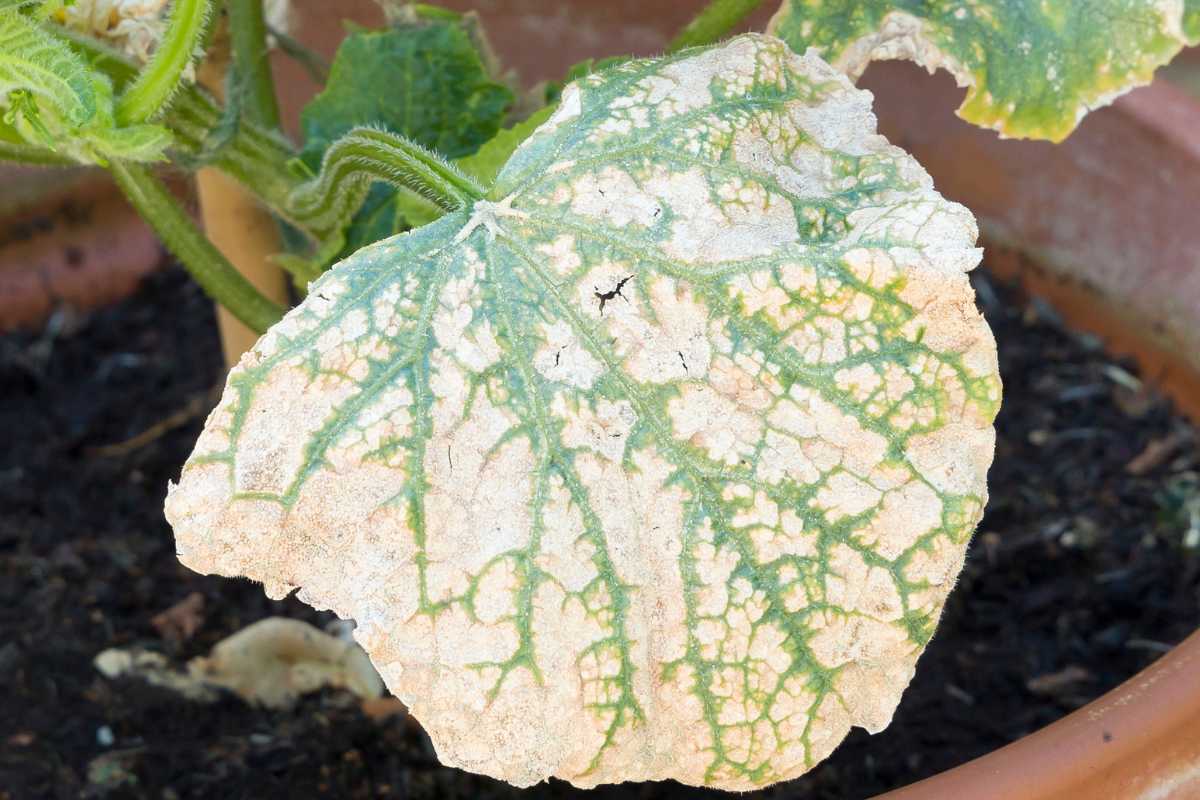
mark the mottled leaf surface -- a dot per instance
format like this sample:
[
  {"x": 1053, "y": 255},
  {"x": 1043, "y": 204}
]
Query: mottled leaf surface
[
  {"x": 1032, "y": 68},
  {"x": 658, "y": 463}
]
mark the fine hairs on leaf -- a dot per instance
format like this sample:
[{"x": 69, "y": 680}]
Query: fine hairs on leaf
[
  {"x": 365, "y": 155},
  {"x": 57, "y": 102},
  {"x": 34, "y": 61}
]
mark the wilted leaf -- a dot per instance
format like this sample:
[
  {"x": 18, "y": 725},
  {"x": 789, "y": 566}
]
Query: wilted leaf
[
  {"x": 1032, "y": 68},
  {"x": 425, "y": 81},
  {"x": 659, "y": 463}
]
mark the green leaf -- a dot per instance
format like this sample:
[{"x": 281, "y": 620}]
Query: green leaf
[
  {"x": 714, "y": 22},
  {"x": 101, "y": 141},
  {"x": 424, "y": 81},
  {"x": 485, "y": 163},
  {"x": 56, "y": 101},
  {"x": 657, "y": 463},
  {"x": 1033, "y": 69},
  {"x": 32, "y": 60},
  {"x": 1191, "y": 21}
]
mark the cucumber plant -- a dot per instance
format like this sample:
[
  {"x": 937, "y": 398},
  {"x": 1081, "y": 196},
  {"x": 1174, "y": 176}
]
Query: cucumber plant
[{"x": 642, "y": 438}]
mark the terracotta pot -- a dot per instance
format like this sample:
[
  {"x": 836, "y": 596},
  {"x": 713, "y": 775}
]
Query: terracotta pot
[
  {"x": 1141, "y": 741},
  {"x": 1102, "y": 224}
]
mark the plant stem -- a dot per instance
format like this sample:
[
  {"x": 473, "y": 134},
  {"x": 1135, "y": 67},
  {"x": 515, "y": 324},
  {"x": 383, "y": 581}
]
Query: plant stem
[
  {"x": 157, "y": 82},
  {"x": 256, "y": 158},
  {"x": 248, "y": 37},
  {"x": 314, "y": 64},
  {"x": 185, "y": 241},
  {"x": 717, "y": 19},
  {"x": 365, "y": 155}
]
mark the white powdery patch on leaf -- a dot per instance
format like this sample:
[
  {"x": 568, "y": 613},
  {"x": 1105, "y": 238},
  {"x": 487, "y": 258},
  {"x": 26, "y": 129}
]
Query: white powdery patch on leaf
[{"x": 657, "y": 464}]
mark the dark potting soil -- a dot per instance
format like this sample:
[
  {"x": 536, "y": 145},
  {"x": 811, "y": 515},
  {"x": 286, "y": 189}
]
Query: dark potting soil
[{"x": 1082, "y": 573}]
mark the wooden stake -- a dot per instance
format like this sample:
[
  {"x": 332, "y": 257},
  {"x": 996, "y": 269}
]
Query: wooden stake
[{"x": 242, "y": 229}]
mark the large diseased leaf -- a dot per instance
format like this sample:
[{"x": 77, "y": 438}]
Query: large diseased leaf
[
  {"x": 658, "y": 463},
  {"x": 1033, "y": 68}
]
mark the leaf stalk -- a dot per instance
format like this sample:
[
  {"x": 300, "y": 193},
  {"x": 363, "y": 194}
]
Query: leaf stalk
[
  {"x": 365, "y": 155},
  {"x": 155, "y": 85},
  {"x": 248, "y": 38}
]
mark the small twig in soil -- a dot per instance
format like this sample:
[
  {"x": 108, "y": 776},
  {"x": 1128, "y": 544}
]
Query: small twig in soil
[
  {"x": 1157, "y": 452},
  {"x": 198, "y": 406}
]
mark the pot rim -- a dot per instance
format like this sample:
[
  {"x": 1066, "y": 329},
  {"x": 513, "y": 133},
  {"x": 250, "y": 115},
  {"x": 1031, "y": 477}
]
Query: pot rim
[{"x": 1140, "y": 740}]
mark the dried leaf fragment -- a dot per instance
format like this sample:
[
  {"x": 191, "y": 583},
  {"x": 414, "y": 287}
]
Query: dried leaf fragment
[
  {"x": 276, "y": 660},
  {"x": 657, "y": 463},
  {"x": 269, "y": 663}
]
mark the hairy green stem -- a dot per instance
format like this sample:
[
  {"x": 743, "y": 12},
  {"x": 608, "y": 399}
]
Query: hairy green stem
[
  {"x": 158, "y": 81},
  {"x": 248, "y": 36},
  {"x": 212, "y": 271},
  {"x": 256, "y": 158},
  {"x": 712, "y": 24},
  {"x": 365, "y": 155}
]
